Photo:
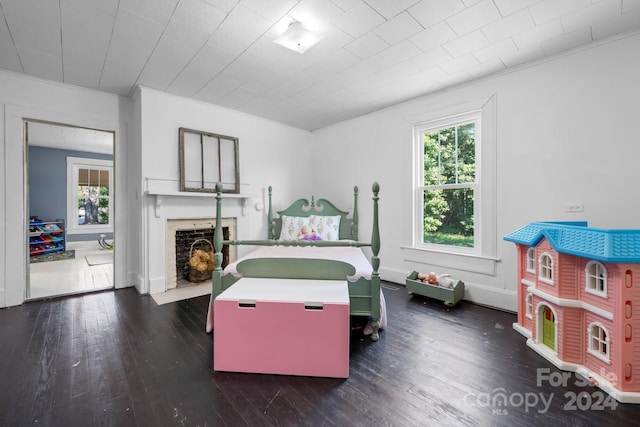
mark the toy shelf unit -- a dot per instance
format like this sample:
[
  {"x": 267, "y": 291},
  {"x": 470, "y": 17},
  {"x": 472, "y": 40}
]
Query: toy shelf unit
[
  {"x": 46, "y": 236},
  {"x": 450, "y": 296}
]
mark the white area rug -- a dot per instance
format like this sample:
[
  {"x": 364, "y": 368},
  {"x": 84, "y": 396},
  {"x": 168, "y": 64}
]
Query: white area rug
[
  {"x": 100, "y": 259},
  {"x": 185, "y": 292}
]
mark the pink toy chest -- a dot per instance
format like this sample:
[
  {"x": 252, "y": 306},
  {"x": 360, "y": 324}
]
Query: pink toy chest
[{"x": 283, "y": 326}]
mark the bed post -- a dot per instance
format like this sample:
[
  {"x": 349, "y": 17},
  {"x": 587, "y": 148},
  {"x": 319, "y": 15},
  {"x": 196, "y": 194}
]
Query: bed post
[
  {"x": 271, "y": 232},
  {"x": 354, "y": 217},
  {"x": 217, "y": 246},
  {"x": 375, "y": 263}
]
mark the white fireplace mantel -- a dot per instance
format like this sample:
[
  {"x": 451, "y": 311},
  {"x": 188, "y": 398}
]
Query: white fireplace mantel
[{"x": 160, "y": 193}]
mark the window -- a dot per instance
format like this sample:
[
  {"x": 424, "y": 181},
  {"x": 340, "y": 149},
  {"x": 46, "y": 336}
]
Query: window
[
  {"x": 89, "y": 200},
  {"x": 545, "y": 272},
  {"x": 531, "y": 260},
  {"x": 598, "y": 341},
  {"x": 596, "y": 275},
  {"x": 448, "y": 182}
]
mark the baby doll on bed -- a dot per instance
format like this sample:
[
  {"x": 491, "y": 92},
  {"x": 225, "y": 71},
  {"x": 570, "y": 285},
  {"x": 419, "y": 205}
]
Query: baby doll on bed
[{"x": 307, "y": 233}]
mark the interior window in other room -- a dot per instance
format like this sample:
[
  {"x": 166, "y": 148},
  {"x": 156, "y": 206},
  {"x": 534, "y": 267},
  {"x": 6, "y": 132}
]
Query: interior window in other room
[
  {"x": 90, "y": 184},
  {"x": 596, "y": 278},
  {"x": 448, "y": 183}
]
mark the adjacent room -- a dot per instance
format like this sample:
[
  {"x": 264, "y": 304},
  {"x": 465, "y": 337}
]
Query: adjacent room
[{"x": 319, "y": 212}]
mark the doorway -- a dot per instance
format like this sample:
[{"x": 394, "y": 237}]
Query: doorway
[{"x": 70, "y": 196}]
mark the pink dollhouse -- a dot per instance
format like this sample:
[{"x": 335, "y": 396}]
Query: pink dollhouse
[{"x": 579, "y": 301}]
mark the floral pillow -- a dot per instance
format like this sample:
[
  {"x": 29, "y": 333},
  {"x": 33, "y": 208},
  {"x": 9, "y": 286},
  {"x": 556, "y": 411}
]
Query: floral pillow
[
  {"x": 291, "y": 226},
  {"x": 327, "y": 227}
]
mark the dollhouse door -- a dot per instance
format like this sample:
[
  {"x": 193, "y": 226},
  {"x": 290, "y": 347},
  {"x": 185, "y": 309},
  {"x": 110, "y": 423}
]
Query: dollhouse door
[{"x": 548, "y": 328}]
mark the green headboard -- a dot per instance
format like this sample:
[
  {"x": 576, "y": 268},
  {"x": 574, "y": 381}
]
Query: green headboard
[{"x": 305, "y": 208}]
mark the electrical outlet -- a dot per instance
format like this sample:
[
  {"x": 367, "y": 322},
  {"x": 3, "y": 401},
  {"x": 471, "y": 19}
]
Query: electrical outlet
[{"x": 574, "y": 207}]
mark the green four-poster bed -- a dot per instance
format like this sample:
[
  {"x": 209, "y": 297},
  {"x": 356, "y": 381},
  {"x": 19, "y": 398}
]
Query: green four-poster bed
[{"x": 334, "y": 254}]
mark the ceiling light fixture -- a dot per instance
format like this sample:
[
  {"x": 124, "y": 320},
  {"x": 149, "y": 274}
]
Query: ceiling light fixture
[{"x": 298, "y": 37}]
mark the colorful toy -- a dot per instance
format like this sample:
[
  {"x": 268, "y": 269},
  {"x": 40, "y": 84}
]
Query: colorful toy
[
  {"x": 307, "y": 233},
  {"x": 578, "y": 301}
]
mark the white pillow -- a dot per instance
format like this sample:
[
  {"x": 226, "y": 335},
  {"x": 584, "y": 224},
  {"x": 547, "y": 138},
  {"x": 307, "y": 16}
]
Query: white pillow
[
  {"x": 327, "y": 227},
  {"x": 291, "y": 226}
]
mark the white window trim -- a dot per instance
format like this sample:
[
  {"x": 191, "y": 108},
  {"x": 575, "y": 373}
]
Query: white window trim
[
  {"x": 606, "y": 357},
  {"x": 485, "y": 260},
  {"x": 528, "y": 306},
  {"x": 531, "y": 259},
  {"x": 588, "y": 275},
  {"x": 550, "y": 281},
  {"x": 72, "y": 184}
]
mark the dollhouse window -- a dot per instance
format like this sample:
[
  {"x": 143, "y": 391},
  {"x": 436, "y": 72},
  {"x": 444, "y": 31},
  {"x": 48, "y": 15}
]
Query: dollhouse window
[
  {"x": 545, "y": 271},
  {"x": 599, "y": 341},
  {"x": 531, "y": 260},
  {"x": 528, "y": 306},
  {"x": 596, "y": 278}
]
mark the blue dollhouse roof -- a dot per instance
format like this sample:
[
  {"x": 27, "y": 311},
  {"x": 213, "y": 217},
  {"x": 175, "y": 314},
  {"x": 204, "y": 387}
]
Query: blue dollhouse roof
[{"x": 576, "y": 238}]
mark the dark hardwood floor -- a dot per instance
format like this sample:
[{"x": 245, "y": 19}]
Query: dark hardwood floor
[{"x": 117, "y": 359}]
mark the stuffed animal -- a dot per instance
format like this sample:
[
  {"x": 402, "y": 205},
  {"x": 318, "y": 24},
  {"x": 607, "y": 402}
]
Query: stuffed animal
[
  {"x": 445, "y": 281},
  {"x": 307, "y": 233},
  {"x": 431, "y": 278}
]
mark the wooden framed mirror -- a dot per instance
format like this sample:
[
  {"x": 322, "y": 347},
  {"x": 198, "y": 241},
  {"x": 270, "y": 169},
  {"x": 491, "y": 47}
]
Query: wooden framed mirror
[{"x": 208, "y": 158}]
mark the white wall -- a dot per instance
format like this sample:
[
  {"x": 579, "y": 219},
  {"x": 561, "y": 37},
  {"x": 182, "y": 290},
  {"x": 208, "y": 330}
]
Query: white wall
[
  {"x": 567, "y": 131},
  {"x": 33, "y": 98},
  {"x": 270, "y": 154}
]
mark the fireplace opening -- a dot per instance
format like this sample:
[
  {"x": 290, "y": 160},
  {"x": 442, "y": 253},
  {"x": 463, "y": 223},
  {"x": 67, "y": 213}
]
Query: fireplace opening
[{"x": 193, "y": 249}]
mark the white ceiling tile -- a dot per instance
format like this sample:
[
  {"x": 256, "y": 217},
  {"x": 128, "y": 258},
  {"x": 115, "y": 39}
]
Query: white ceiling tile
[
  {"x": 475, "y": 17},
  {"x": 389, "y": 9},
  {"x": 567, "y": 41},
  {"x": 225, "y": 5},
  {"x": 8, "y": 54},
  {"x": 608, "y": 27},
  {"x": 158, "y": 11},
  {"x": 40, "y": 64},
  {"x": 202, "y": 68},
  {"x": 459, "y": 64},
  {"x": 168, "y": 59},
  {"x": 86, "y": 35},
  {"x": 431, "y": 58},
  {"x": 345, "y": 4},
  {"x": 24, "y": 17},
  {"x": 398, "y": 28},
  {"x": 431, "y": 12},
  {"x": 316, "y": 15},
  {"x": 433, "y": 37},
  {"x": 507, "y": 27},
  {"x": 83, "y": 74},
  {"x": 358, "y": 20},
  {"x": 497, "y": 50},
  {"x": 217, "y": 88},
  {"x": 194, "y": 22},
  {"x": 132, "y": 43},
  {"x": 538, "y": 34},
  {"x": 367, "y": 45},
  {"x": 244, "y": 23},
  {"x": 523, "y": 55},
  {"x": 108, "y": 7},
  {"x": 400, "y": 52},
  {"x": 466, "y": 44},
  {"x": 486, "y": 68},
  {"x": 507, "y": 7},
  {"x": 549, "y": 10},
  {"x": 273, "y": 10},
  {"x": 237, "y": 98},
  {"x": 605, "y": 9}
]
